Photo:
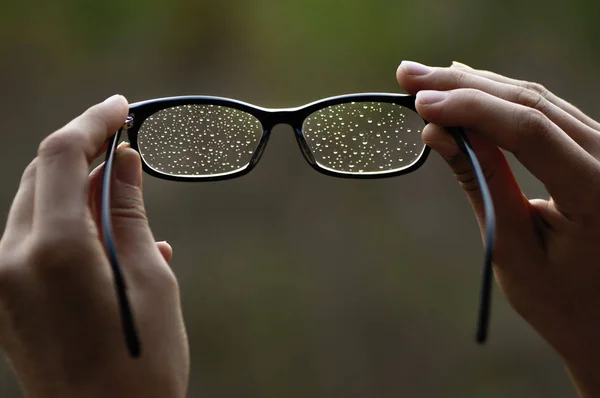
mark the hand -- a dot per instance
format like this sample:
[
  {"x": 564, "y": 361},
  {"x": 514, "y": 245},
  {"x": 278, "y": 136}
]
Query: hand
[
  {"x": 59, "y": 320},
  {"x": 547, "y": 253}
]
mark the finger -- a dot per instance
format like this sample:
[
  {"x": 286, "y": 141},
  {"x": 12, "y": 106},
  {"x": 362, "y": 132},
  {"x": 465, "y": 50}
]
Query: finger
[
  {"x": 95, "y": 190},
  {"x": 513, "y": 222},
  {"x": 20, "y": 215},
  {"x": 453, "y": 78},
  {"x": 551, "y": 155},
  {"x": 536, "y": 87},
  {"x": 63, "y": 161},
  {"x": 135, "y": 243},
  {"x": 166, "y": 250}
]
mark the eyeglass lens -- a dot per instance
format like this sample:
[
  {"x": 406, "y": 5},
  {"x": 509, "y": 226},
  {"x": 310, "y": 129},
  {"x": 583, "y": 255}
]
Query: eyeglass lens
[
  {"x": 199, "y": 140},
  {"x": 364, "y": 137}
]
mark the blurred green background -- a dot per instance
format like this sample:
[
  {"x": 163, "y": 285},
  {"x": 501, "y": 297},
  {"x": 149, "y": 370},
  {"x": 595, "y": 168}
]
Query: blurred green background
[{"x": 295, "y": 284}]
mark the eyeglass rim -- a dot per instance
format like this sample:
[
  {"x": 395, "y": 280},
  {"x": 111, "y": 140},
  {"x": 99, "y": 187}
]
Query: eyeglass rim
[
  {"x": 269, "y": 117},
  {"x": 144, "y": 109}
]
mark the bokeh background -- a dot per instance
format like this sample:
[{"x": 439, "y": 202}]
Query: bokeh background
[{"x": 295, "y": 284}]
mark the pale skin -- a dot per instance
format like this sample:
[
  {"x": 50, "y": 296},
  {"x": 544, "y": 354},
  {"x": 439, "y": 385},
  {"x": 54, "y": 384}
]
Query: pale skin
[
  {"x": 59, "y": 322},
  {"x": 57, "y": 303}
]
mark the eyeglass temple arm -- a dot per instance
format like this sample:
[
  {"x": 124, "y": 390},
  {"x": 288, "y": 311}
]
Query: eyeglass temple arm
[
  {"x": 128, "y": 324},
  {"x": 129, "y": 330},
  {"x": 485, "y": 297}
]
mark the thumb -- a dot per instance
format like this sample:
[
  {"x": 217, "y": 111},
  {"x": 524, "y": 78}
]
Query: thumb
[
  {"x": 513, "y": 220},
  {"x": 134, "y": 239}
]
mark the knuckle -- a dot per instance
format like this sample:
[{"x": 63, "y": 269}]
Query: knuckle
[
  {"x": 532, "y": 124},
  {"x": 129, "y": 207},
  {"x": 473, "y": 93},
  {"x": 160, "y": 278},
  {"x": 58, "y": 143},
  {"x": 537, "y": 88},
  {"x": 468, "y": 179},
  {"x": 529, "y": 98},
  {"x": 29, "y": 171},
  {"x": 96, "y": 118},
  {"x": 169, "y": 282},
  {"x": 461, "y": 78},
  {"x": 471, "y": 96}
]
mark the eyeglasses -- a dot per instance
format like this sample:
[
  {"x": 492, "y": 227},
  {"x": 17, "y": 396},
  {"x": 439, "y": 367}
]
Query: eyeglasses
[{"x": 200, "y": 138}]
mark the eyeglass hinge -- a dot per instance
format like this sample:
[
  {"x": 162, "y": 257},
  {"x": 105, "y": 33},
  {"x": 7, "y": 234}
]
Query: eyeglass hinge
[{"x": 128, "y": 122}]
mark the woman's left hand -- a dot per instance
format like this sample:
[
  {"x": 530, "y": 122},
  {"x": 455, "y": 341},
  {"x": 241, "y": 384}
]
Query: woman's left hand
[{"x": 547, "y": 252}]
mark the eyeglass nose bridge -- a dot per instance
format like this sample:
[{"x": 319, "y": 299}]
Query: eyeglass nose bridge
[
  {"x": 293, "y": 118},
  {"x": 290, "y": 117}
]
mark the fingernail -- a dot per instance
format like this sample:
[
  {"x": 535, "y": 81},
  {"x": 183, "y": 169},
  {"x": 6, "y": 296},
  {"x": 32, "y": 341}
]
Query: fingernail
[
  {"x": 112, "y": 98},
  {"x": 127, "y": 167},
  {"x": 428, "y": 97},
  {"x": 460, "y": 65},
  {"x": 444, "y": 148},
  {"x": 415, "y": 68}
]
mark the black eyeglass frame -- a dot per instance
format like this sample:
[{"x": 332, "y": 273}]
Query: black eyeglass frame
[
  {"x": 268, "y": 118},
  {"x": 140, "y": 111}
]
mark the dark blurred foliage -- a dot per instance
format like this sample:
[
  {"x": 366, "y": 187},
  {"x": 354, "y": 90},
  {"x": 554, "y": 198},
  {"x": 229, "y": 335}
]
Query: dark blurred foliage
[{"x": 296, "y": 284}]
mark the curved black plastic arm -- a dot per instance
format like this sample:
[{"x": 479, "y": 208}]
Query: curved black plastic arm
[
  {"x": 485, "y": 297},
  {"x": 129, "y": 330}
]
